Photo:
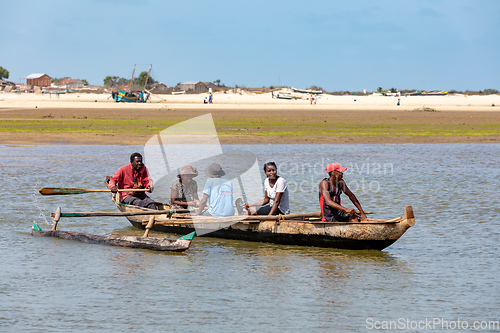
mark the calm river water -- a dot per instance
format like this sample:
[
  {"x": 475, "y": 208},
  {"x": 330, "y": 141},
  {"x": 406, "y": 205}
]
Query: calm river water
[{"x": 444, "y": 270}]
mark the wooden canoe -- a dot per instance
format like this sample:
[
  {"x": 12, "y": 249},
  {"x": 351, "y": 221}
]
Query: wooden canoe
[
  {"x": 295, "y": 229},
  {"x": 150, "y": 243}
]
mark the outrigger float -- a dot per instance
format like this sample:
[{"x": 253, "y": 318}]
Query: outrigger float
[{"x": 145, "y": 242}]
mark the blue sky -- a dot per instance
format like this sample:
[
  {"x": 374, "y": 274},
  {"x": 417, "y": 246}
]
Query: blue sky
[{"x": 337, "y": 45}]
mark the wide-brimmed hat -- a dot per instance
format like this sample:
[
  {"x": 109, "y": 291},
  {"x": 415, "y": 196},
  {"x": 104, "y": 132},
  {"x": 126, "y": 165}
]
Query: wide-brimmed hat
[
  {"x": 214, "y": 171},
  {"x": 188, "y": 170},
  {"x": 334, "y": 167}
]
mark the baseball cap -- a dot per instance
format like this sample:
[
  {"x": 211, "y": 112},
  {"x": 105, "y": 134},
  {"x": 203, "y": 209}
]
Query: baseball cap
[{"x": 334, "y": 166}]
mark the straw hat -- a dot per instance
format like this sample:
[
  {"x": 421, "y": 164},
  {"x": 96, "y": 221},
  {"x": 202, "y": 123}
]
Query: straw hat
[{"x": 188, "y": 170}]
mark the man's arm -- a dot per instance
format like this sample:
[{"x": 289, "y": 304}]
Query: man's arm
[
  {"x": 354, "y": 200},
  {"x": 114, "y": 180},
  {"x": 203, "y": 203}
]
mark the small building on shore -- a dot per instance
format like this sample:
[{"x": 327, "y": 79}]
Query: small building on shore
[
  {"x": 209, "y": 85},
  {"x": 160, "y": 88},
  {"x": 69, "y": 84},
  {"x": 193, "y": 86},
  {"x": 38, "y": 80}
]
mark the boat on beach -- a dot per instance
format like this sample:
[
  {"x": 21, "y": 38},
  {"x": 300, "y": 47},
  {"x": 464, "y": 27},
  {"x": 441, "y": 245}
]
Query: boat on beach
[
  {"x": 307, "y": 91},
  {"x": 284, "y": 95},
  {"x": 427, "y": 93},
  {"x": 132, "y": 96},
  {"x": 435, "y": 93},
  {"x": 293, "y": 229}
]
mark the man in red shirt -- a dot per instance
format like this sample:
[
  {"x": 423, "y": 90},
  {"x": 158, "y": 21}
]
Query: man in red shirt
[{"x": 133, "y": 176}]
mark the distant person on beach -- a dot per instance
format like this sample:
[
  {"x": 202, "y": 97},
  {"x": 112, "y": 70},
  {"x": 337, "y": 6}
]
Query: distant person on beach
[
  {"x": 133, "y": 176},
  {"x": 210, "y": 99},
  {"x": 276, "y": 199},
  {"x": 330, "y": 190},
  {"x": 218, "y": 192},
  {"x": 184, "y": 191}
]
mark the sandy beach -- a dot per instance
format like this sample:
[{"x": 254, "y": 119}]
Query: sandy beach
[{"x": 245, "y": 118}]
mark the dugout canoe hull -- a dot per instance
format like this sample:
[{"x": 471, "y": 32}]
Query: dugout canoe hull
[
  {"x": 373, "y": 234},
  {"x": 150, "y": 243}
]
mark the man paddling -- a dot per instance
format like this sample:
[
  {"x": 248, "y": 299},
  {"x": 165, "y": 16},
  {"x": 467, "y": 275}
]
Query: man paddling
[
  {"x": 330, "y": 190},
  {"x": 133, "y": 176}
]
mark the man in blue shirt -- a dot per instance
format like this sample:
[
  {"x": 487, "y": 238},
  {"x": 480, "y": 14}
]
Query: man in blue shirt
[{"x": 218, "y": 192}]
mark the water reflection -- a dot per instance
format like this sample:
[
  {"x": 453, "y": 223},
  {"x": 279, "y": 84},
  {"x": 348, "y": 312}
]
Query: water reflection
[{"x": 446, "y": 265}]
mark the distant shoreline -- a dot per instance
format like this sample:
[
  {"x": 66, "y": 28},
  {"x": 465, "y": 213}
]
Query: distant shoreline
[{"x": 252, "y": 119}]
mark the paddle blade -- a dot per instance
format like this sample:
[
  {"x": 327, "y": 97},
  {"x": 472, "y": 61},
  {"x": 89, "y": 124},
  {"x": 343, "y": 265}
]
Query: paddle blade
[{"x": 61, "y": 191}]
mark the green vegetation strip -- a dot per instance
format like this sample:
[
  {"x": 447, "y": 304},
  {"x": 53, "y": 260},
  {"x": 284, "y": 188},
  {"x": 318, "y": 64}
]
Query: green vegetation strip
[
  {"x": 248, "y": 127},
  {"x": 85, "y": 126},
  {"x": 365, "y": 130}
]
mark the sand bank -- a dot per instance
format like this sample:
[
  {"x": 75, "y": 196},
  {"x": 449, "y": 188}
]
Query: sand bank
[
  {"x": 251, "y": 118},
  {"x": 245, "y": 100}
]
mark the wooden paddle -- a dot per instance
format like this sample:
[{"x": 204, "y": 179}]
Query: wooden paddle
[
  {"x": 65, "y": 190},
  {"x": 94, "y": 214}
]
